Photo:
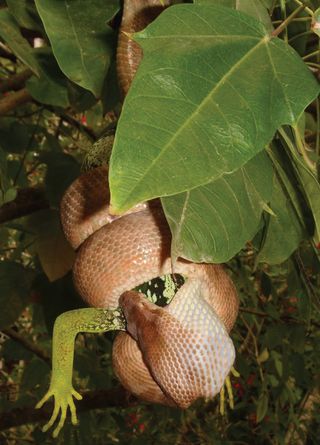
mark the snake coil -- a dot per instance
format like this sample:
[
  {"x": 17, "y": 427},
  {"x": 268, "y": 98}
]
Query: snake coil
[{"x": 170, "y": 355}]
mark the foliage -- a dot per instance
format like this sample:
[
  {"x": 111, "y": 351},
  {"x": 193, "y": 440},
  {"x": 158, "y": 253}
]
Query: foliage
[{"x": 221, "y": 122}]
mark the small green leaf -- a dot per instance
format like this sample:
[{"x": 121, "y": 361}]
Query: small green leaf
[
  {"x": 10, "y": 195},
  {"x": 15, "y": 282},
  {"x": 262, "y": 407},
  {"x": 81, "y": 39},
  {"x": 277, "y": 359},
  {"x": 264, "y": 356}
]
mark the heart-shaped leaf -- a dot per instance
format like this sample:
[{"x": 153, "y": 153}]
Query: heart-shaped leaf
[
  {"x": 81, "y": 38},
  {"x": 212, "y": 89}
]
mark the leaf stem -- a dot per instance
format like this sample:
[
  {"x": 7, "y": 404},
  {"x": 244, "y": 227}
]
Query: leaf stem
[
  {"x": 314, "y": 53},
  {"x": 299, "y": 145},
  {"x": 307, "y": 9},
  {"x": 302, "y": 149},
  {"x": 286, "y": 22},
  {"x": 313, "y": 64},
  {"x": 318, "y": 127},
  {"x": 297, "y": 19}
]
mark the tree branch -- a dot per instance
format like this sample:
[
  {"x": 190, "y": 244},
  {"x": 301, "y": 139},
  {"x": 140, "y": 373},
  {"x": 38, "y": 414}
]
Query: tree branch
[
  {"x": 13, "y": 101},
  {"x": 116, "y": 397},
  {"x": 27, "y": 344},
  {"x": 15, "y": 82},
  {"x": 28, "y": 200}
]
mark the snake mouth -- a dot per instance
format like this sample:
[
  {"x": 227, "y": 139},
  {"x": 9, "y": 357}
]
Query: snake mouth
[{"x": 161, "y": 290}]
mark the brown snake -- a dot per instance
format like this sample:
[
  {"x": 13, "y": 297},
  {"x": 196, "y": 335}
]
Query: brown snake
[{"x": 173, "y": 355}]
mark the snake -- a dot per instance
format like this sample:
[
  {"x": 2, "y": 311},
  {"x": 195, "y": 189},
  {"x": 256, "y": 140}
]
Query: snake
[
  {"x": 169, "y": 355},
  {"x": 117, "y": 254}
]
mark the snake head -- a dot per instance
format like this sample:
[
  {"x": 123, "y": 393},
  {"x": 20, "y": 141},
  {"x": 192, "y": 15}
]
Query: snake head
[
  {"x": 187, "y": 350},
  {"x": 140, "y": 314}
]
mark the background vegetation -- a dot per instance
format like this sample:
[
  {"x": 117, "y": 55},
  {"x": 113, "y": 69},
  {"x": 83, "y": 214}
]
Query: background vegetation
[{"x": 59, "y": 110}]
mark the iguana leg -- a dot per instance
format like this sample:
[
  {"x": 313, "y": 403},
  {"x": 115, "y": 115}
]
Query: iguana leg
[{"x": 66, "y": 328}]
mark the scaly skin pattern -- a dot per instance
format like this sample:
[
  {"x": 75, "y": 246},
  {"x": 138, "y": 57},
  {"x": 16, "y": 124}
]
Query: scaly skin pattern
[
  {"x": 173, "y": 355},
  {"x": 66, "y": 328},
  {"x": 187, "y": 350},
  {"x": 137, "y": 14},
  {"x": 135, "y": 249}
]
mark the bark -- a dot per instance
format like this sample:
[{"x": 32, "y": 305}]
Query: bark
[
  {"x": 28, "y": 200},
  {"x": 15, "y": 82},
  {"x": 14, "y": 100},
  {"x": 15, "y": 335}
]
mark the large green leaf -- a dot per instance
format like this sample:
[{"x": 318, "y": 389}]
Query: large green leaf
[
  {"x": 257, "y": 8},
  {"x": 80, "y": 37},
  {"x": 10, "y": 32},
  {"x": 213, "y": 222},
  {"x": 211, "y": 90}
]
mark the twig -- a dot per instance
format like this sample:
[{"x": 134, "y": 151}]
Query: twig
[
  {"x": 74, "y": 122},
  {"x": 310, "y": 55},
  {"x": 254, "y": 312},
  {"x": 15, "y": 335},
  {"x": 13, "y": 100},
  {"x": 286, "y": 22},
  {"x": 15, "y": 82},
  {"x": 307, "y": 9},
  {"x": 28, "y": 200}
]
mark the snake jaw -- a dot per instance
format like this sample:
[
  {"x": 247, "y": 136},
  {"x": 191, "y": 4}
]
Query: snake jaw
[{"x": 138, "y": 311}]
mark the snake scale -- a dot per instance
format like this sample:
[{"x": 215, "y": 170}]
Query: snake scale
[{"x": 170, "y": 355}]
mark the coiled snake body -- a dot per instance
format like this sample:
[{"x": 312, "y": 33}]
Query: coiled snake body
[
  {"x": 170, "y": 355},
  {"x": 183, "y": 351}
]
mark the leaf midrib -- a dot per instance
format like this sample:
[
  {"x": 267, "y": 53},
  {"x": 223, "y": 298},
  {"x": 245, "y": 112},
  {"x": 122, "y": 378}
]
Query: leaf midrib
[{"x": 209, "y": 96}]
